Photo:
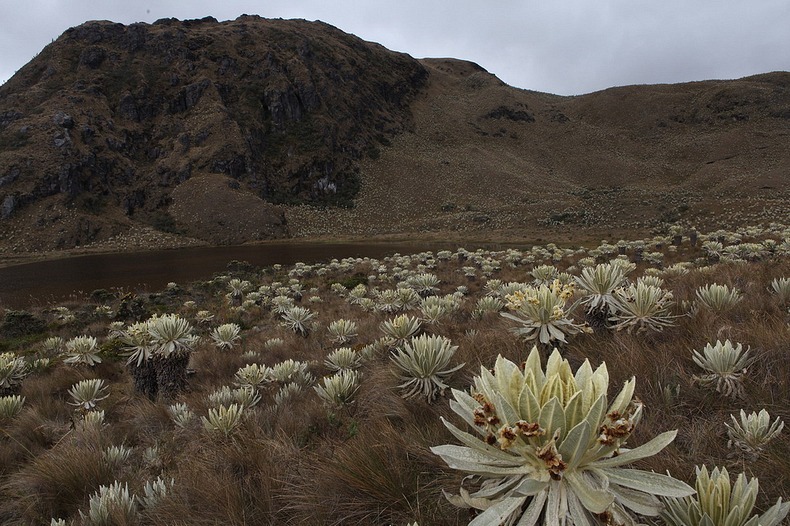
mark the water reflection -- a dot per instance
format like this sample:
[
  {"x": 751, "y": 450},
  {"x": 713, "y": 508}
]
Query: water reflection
[{"x": 51, "y": 281}]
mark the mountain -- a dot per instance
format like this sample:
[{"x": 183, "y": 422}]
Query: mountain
[{"x": 198, "y": 131}]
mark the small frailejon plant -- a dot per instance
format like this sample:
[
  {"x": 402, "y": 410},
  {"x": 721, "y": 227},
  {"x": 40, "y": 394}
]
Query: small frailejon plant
[
  {"x": 342, "y": 359},
  {"x": 642, "y": 307},
  {"x": 115, "y": 456},
  {"x": 781, "y": 287},
  {"x": 110, "y": 505},
  {"x": 487, "y": 304},
  {"x": 180, "y": 414},
  {"x": 718, "y": 503},
  {"x": 291, "y": 371},
  {"x": 753, "y": 432},
  {"x": 599, "y": 284},
  {"x": 82, "y": 350},
  {"x": 297, "y": 319},
  {"x": 245, "y": 396},
  {"x": 717, "y": 298},
  {"x": 342, "y": 331},
  {"x": 154, "y": 492},
  {"x": 726, "y": 365},
  {"x": 424, "y": 364},
  {"x": 87, "y": 393},
  {"x": 253, "y": 375},
  {"x": 399, "y": 329},
  {"x": 542, "y": 313},
  {"x": 226, "y": 335},
  {"x": 223, "y": 419},
  {"x": 549, "y": 447},
  {"x": 10, "y": 406},
  {"x": 424, "y": 284},
  {"x": 13, "y": 369},
  {"x": 339, "y": 389}
]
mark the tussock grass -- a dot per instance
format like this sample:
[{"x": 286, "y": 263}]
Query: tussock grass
[{"x": 369, "y": 462}]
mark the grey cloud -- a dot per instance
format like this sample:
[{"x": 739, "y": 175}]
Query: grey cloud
[{"x": 568, "y": 47}]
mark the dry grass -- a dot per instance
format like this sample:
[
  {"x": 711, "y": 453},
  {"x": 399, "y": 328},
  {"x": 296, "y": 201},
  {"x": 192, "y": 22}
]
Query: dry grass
[{"x": 369, "y": 462}]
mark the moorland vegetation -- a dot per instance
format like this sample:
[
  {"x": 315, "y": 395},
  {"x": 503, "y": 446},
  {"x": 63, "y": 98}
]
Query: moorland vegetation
[{"x": 636, "y": 381}]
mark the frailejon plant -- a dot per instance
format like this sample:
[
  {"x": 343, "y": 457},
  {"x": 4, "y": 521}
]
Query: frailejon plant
[
  {"x": 139, "y": 347},
  {"x": 82, "y": 350},
  {"x": 223, "y": 419},
  {"x": 487, "y": 304},
  {"x": 339, "y": 389},
  {"x": 781, "y": 287},
  {"x": 10, "y": 406},
  {"x": 154, "y": 492},
  {"x": 718, "y": 503},
  {"x": 542, "y": 314},
  {"x": 297, "y": 319},
  {"x": 253, "y": 375},
  {"x": 13, "y": 369},
  {"x": 342, "y": 331},
  {"x": 342, "y": 359},
  {"x": 725, "y": 365},
  {"x": 424, "y": 364},
  {"x": 599, "y": 284},
  {"x": 226, "y": 335},
  {"x": 549, "y": 448},
  {"x": 642, "y": 307},
  {"x": 173, "y": 343},
  {"x": 291, "y": 371},
  {"x": 112, "y": 504},
  {"x": 399, "y": 329},
  {"x": 717, "y": 298},
  {"x": 180, "y": 414},
  {"x": 87, "y": 393},
  {"x": 753, "y": 432}
]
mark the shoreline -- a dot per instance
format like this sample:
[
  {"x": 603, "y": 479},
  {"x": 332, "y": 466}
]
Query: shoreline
[{"x": 507, "y": 239}]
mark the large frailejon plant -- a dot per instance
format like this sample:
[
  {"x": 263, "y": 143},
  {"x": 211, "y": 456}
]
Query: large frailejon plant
[{"x": 550, "y": 449}]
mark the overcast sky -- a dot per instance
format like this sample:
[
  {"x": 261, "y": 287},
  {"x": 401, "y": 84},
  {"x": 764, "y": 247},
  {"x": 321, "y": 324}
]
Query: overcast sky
[{"x": 565, "y": 47}]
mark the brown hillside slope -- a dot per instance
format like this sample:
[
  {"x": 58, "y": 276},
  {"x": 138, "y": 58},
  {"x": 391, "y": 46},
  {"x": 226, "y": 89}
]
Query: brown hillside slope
[
  {"x": 487, "y": 161},
  {"x": 197, "y": 131}
]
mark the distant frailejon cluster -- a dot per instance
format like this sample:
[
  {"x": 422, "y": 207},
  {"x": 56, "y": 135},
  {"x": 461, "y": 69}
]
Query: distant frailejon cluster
[{"x": 296, "y": 365}]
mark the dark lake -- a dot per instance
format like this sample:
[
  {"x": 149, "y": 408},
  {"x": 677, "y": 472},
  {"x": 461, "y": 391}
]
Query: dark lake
[{"x": 53, "y": 281}]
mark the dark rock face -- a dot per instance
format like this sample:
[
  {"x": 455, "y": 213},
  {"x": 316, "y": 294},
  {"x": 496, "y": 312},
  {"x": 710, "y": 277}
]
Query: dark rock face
[{"x": 286, "y": 108}]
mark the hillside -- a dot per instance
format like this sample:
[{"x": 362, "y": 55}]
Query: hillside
[{"x": 186, "y": 132}]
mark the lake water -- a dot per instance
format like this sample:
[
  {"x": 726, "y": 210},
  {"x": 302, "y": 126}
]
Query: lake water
[{"x": 53, "y": 281}]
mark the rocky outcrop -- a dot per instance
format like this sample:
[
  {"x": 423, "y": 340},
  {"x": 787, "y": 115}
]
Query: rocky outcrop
[{"x": 121, "y": 115}]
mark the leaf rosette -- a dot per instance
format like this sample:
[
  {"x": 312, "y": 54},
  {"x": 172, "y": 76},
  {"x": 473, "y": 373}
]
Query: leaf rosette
[{"x": 550, "y": 448}]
